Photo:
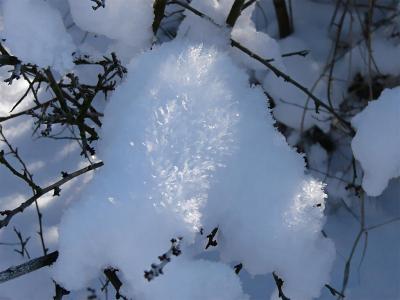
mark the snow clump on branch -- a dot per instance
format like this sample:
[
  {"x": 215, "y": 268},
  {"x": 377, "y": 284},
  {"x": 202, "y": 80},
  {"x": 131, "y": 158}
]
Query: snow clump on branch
[
  {"x": 126, "y": 21},
  {"x": 35, "y": 33},
  {"x": 377, "y": 142},
  {"x": 196, "y": 147}
]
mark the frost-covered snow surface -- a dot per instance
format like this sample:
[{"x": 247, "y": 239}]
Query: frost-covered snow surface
[
  {"x": 190, "y": 155},
  {"x": 35, "y": 33},
  {"x": 377, "y": 142},
  {"x": 199, "y": 135}
]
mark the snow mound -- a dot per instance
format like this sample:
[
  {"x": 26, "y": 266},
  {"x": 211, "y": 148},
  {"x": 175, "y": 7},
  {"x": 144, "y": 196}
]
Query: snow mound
[
  {"x": 202, "y": 30},
  {"x": 190, "y": 144},
  {"x": 127, "y": 21},
  {"x": 206, "y": 281},
  {"x": 259, "y": 43},
  {"x": 35, "y": 33},
  {"x": 175, "y": 125},
  {"x": 377, "y": 141}
]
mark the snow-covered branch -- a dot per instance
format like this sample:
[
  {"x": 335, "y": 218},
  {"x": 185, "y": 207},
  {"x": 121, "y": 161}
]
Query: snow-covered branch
[{"x": 157, "y": 269}]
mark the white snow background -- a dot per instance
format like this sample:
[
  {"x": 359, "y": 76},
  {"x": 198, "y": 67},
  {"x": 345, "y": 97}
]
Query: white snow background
[{"x": 189, "y": 143}]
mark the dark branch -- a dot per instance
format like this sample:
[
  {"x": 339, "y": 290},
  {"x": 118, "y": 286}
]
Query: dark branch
[
  {"x": 279, "y": 284},
  {"x": 28, "y": 267},
  {"x": 113, "y": 278},
  {"x": 9, "y": 214},
  {"x": 238, "y": 268},
  {"x": 211, "y": 241},
  {"x": 99, "y": 3},
  {"x": 157, "y": 269},
  {"x": 159, "y": 11},
  {"x": 60, "y": 291},
  {"x": 334, "y": 291},
  {"x": 234, "y": 13},
  {"x": 285, "y": 27}
]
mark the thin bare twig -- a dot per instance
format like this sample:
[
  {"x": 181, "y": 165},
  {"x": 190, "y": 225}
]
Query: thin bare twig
[{"x": 9, "y": 214}]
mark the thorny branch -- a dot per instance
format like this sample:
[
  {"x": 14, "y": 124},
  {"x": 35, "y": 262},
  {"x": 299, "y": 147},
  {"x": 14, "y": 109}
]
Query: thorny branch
[
  {"x": 157, "y": 269},
  {"x": 28, "y": 267},
  {"x": 23, "y": 251},
  {"x": 27, "y": 177},
  {"x": 9, "y": 214},
  {"x": 72, "y": 105}
]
